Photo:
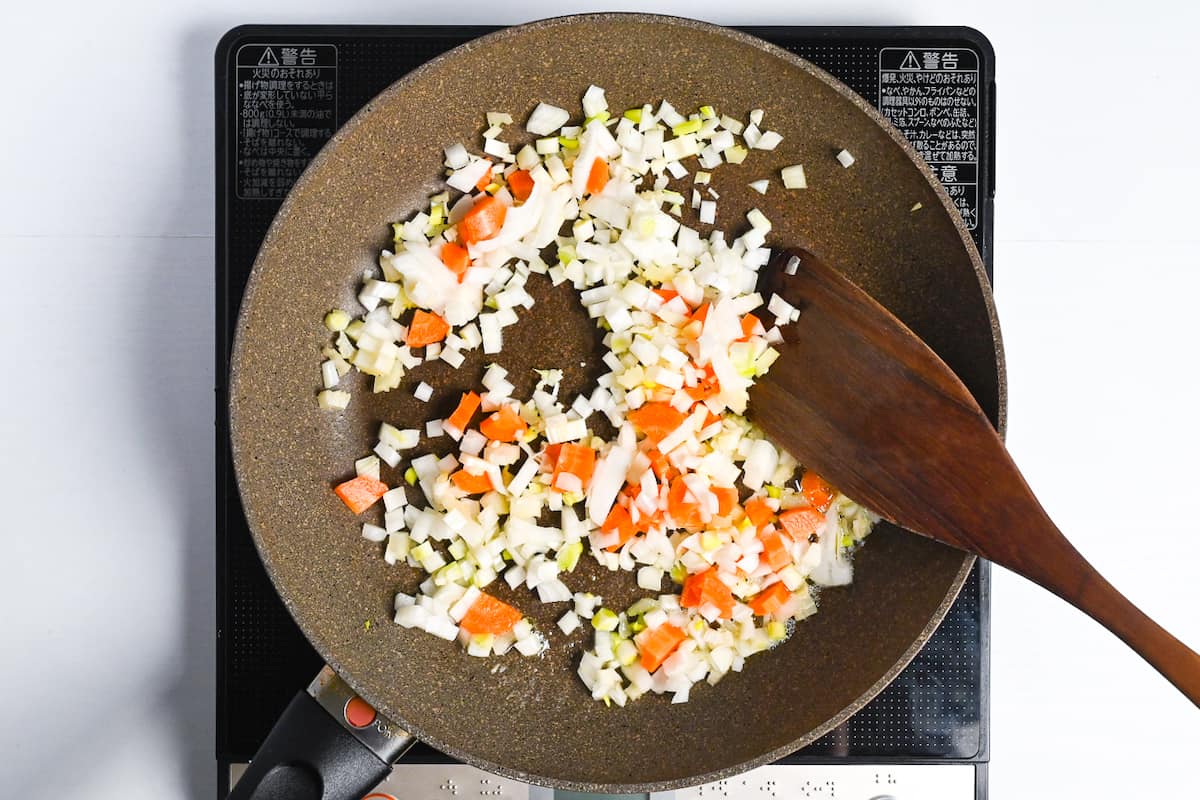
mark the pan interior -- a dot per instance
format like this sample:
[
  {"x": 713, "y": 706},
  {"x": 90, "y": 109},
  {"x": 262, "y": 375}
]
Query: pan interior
[{"x": 534, "y": 719}]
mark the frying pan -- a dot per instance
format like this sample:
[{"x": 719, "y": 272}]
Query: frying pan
[{"x": 534, "y": 720}]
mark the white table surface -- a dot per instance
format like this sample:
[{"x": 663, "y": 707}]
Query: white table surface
[{"x": 106, "y": 258}]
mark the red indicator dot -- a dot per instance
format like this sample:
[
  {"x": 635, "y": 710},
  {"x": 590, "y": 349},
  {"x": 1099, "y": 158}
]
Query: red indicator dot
[{"x": 359, "y": 713}]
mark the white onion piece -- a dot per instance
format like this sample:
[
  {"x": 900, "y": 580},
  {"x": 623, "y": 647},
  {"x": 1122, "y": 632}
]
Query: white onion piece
[
  {"x": 465, "y": 178},
  {"x": 545, "y": 119}
]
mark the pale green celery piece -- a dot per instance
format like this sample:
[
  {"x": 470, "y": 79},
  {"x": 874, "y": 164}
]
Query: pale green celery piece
[
  {"x": 603, "y": 117},
  {"x": 337, "y": 320},
  {"x": 641, "y": 607},
  {"x": 568, "y": 557},
  {"x": 736, "y": 154},
  {"x": 410, "y": 475},
  {"x": 679, "y": 573},
  {"x": 605, "y": 620},
  {"x": 774, "y": 491},
  {"x": 686, "y": 127},
  {"x": 568, "y": 143},
  {"x": 708, "y": 112},
  {"x": 634, "y": 115}
]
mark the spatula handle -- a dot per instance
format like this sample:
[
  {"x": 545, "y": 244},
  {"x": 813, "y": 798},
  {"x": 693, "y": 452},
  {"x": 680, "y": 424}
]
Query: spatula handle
[{"x": 1080, "y": 584}]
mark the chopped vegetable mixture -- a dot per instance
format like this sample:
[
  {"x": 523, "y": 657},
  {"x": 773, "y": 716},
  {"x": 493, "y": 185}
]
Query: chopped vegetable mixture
[{"x": 726, "y": 533}]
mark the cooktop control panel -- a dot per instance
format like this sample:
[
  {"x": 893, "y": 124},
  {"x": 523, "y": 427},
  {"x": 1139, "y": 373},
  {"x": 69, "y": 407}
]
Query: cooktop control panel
[{"x": 786, "y": 782}]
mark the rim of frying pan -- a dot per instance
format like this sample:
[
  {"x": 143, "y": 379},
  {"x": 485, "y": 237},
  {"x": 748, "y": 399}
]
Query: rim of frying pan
[{"x": 330, "y": 656}]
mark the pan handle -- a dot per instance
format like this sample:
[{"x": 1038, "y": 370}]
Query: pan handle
[{"x": 329, "y": 744}]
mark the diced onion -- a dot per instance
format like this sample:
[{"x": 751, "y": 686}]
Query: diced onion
[
  {"x": 793, "y": 177},
  {"x": 673, "y": 383}
]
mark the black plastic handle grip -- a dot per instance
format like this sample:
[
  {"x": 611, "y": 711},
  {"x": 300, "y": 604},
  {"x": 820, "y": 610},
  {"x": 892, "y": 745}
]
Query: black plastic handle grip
[{"x": 309, "y": 755}]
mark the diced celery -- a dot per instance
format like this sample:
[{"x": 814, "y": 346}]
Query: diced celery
[
  {"x": 337, "y": 320},
  {"x": 605, "y": 620},
  {"x": 568, "y": 557},
  {"x": 736, "y": 154},
  {"x": 641, "y": 607}
]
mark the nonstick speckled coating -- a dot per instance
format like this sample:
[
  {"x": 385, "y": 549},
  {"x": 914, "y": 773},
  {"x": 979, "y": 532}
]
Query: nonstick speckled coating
[{"x": 535, "y": 720}]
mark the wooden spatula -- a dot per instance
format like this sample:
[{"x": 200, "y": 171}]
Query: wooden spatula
[{"x": 859, "y": 398}]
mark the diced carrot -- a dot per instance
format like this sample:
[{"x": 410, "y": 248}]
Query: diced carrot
[
  {"x": 759, "y": 512},
  {"x": 455, "y": 257},
  {"x": 505, "y": 425},
  {"x": 775, "y": 553},
  {"x": 461, "y": 417},
  {"x": 818, "y": 492},
  {"x": 483, "y": 182},
  {"x": 425, "y": 329},
  {"x": 489, "y": 615},
  {"x": 620, "y": 521},
  {"x": 659, "y": 463},
  {"x": 597, "y": 176},
  {"x": 707, "y": 587},
  {"x": 750, "y": 325},
  {"x": 483, "y": 221},
  {"x": 472, "y": 484},
  {"x": 711, "y": 419},
  {"x": 520, "y": 183},
  {"x": 706, "y": 388},
  {"x": 684, "y": 513},
  {"x": 667, "y": 295},
  {"x": 727, "y": 498},
  {"x": 801, "y": 523},
  {"x": 695, "y": 323},
  {"x": 550, "y": 456},
  {"x": 360, "y": 493},
  {"x": 577, "y": 459},
  {"x": 770, "y": 600},
  {"x": 656, "y": 644},
  {"x": 656, "y": 420}
]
